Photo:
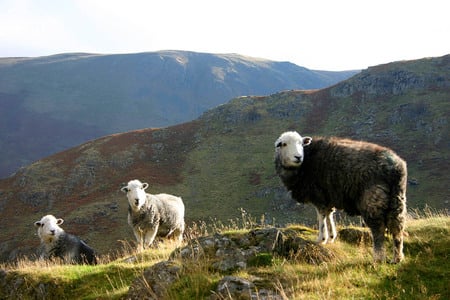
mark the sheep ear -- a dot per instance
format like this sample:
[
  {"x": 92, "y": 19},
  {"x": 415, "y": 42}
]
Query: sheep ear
[
  {"x": 59, "y": 221},
  {"x": 307, "y": 140},
  {"x": 37, "y": 224},
  {"x": 144, "y": 185},
  {"x": 124, "y": 189}
]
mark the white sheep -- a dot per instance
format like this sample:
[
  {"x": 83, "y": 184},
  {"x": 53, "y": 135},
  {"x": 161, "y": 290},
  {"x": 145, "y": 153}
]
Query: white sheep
[
  {"x": 153, "y": 215},
  {"x": 57, "y": 242}
]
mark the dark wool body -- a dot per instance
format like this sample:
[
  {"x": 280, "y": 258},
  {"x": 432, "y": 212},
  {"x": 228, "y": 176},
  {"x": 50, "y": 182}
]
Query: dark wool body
[
  {"x": 358, "y": 177},
  {"x": 70, "y": 247}
]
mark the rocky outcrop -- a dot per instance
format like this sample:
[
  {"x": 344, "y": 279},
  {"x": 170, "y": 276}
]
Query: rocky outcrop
[
  {"x": 397, "y": 78},
  {"x": 355, "y": 236},
  {"x": 240, "y": 288},
  {"x": 222, "y": 254},
  {"x": 229, "y": 253},
  {"x": 155, "y": 281},
  {"x": 14, "y": 286}
]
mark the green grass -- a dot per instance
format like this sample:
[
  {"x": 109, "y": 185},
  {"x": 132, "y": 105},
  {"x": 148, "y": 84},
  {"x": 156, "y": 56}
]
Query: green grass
[
  {"x": 110, "y": 279},
  {"x": 351, "y": 274}
]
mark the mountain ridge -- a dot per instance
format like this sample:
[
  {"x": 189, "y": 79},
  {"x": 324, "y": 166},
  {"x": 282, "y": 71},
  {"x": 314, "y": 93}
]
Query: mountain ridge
[{"x": 59, "y": 101}]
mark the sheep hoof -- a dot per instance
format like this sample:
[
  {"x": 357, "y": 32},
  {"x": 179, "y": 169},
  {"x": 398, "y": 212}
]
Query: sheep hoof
[{"x": 396, "y": 260}]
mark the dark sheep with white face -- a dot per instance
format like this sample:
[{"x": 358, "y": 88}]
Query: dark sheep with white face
[
  {"x": 58, "y": 243},
  {"x": 358, "y": 177}
]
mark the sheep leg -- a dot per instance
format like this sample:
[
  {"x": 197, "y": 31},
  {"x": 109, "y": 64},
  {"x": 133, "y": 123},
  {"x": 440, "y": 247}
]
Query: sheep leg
[
  {"x": 170, "y": 233},
  {"x": 375, "y": 215},
  {"x": 139, "y": 238},
  {"x": 396, "y": 229},
  {"x": 398, "y": 247},
  {"x": 378, "y": 229},
  {"x": 396, "y": 224},
  {"x": 178, "y": 235},
  {"x": 332, "y": 225},
  {"x": 323, "y": 230},
  {"x": 150, "y": 236}
]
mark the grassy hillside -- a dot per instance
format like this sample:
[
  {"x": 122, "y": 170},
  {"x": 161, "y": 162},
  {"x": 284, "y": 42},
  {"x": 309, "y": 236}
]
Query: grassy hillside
[
  {"x": 48, "y": 104},
  {"x": 349, "y": 275},
  {"x": 223, "y": 161}
]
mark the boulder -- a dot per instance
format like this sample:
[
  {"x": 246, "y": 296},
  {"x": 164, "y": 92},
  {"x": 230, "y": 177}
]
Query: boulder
[{"x": 227, "y": 254}]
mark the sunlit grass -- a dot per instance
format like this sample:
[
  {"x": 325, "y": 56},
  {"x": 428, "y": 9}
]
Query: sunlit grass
[
  {"x": 349, "y": 274},
  {"x": 110, "y": 279}
]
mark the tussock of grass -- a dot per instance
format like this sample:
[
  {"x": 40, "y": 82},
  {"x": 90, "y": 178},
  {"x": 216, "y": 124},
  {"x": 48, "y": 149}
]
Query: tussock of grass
[{"x": 348, "y": 273}]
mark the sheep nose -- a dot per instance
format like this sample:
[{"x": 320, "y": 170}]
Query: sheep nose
[
  {"x": 298, "y": 159},
  {"x": 136, "y": 201},
  {"x": 52, "y": 231}
]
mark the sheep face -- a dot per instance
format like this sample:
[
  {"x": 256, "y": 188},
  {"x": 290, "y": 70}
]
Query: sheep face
[
  {"x": 289, "y": 148},
  {"x": 48, "y": 228},
  {"x": 136, "y": 194}
]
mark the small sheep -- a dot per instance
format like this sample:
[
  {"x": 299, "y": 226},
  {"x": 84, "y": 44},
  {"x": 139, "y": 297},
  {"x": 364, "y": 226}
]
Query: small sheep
[
  {"x": 153, "y": 215},
  {"x": 359, "y": 177},
  {"x": 57, "y": 242}
]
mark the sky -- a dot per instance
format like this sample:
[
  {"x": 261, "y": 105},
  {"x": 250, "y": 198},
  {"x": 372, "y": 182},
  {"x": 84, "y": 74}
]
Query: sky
[{"x": 333, "y": 35}]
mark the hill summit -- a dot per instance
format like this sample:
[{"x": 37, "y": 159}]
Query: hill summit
[{"x": 52, "y": 103}]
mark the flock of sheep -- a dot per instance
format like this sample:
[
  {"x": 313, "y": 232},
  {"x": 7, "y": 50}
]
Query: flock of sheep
[
  {"x": 331, "y": 173},
  {"x": 148, "y": 215}
]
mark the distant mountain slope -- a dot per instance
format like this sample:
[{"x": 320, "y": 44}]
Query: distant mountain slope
[
  {"x": 223, "y": 161},
  {"x": 48, "y": 104}
]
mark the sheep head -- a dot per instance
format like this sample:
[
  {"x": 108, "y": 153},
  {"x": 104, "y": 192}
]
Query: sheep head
[
  {"x": 136, "y": 194},
  {"x": 289, "y": 149},
  {"x": 48, "y": 228}
]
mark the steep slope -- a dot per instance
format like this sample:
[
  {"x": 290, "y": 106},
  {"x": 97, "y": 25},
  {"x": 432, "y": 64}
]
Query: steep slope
[
  {"x": 223, "y": 161},
  {"x": 48, "y": 104}
]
